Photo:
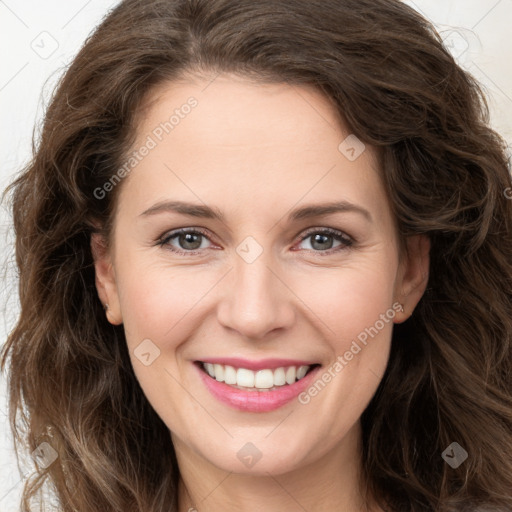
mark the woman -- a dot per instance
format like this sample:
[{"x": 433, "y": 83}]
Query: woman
[{"x": 265, "y": 264}]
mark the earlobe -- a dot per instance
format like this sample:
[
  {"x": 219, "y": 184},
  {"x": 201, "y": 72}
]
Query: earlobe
[
  {"x": 105, "y": 279},
  {"x": 413, "y": 277}
]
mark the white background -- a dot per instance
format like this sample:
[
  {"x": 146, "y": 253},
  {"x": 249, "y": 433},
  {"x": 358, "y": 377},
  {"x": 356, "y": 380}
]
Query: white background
[{"x": 477, "y": 32}]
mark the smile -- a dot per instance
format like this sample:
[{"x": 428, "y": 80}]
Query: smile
[
  {"x": 259, "y": 390},
  {"x": 261, "y": 380}
]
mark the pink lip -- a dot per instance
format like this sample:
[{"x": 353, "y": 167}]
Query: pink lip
[
  {"x": 262, "y": 364},
  {"x": 256, "y": 401}
]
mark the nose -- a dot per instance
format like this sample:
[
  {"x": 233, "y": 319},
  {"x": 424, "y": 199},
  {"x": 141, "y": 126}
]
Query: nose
[{"x": 256, "y": 300}]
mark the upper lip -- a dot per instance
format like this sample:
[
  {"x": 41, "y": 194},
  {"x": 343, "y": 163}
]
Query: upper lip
[{"x": 260, "y": 364}]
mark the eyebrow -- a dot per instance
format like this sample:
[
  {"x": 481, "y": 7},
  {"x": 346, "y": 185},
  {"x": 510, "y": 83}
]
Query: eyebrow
[
  {"x": 305, "y": 212},
  {"x": 191, "y": 209},
  {"x": 316, "y": 210}
]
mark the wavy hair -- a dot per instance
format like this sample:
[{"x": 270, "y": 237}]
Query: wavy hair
[{"x": 386, "y": 72}]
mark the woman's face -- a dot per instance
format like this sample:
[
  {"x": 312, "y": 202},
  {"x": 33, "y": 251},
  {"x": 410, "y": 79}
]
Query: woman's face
[{"x": 291, "y": 259}]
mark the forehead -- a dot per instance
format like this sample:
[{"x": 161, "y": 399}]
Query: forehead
[
  {"x": 231, "y": 108},
  {"x": 230, "y": 136}
]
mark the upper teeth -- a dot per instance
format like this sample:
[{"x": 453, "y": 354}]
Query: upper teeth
[{"x": 261, "y": 379}]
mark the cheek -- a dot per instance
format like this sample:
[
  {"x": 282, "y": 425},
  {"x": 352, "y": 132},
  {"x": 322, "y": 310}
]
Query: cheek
[
  {"x": 158, "y": 300},
  {"x": 356, "y": 315},
  {"x": 160, "y": 304},
  {"x": 348, "y": 300}
]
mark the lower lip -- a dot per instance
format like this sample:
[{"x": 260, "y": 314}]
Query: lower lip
[{"x": 255, "y": 401}]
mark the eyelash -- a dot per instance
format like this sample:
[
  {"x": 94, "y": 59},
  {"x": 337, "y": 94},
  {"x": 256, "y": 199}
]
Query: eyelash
[{"x": 346, "y": 241}]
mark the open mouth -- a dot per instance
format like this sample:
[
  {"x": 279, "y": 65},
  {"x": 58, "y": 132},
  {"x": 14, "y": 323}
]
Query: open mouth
[{"x": 260, "y": 380}]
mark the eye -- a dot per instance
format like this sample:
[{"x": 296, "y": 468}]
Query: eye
[
  {"x": 192, "y": 240},
  {"x": 185, "y": 240},
  {"x": 326, "y": 240}
]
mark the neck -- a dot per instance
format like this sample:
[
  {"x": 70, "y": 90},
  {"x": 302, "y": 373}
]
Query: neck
[{"x": 334, "y": 481}]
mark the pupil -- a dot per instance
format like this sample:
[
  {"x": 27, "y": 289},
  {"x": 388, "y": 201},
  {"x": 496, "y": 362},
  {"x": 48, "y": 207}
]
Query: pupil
[
  {"x": 322, "y": 239},
  {"x": 190, "y": 241}
]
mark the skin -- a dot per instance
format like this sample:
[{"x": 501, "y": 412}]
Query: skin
[{"x": 255, "y": 152}]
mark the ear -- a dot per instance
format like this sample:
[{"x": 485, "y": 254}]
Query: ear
[
  {"x": 106, "y": 278},
  {"x": 413, "y": 275}
]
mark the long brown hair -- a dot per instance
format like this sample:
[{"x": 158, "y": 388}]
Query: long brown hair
[{"x": 449, "y": 377}]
